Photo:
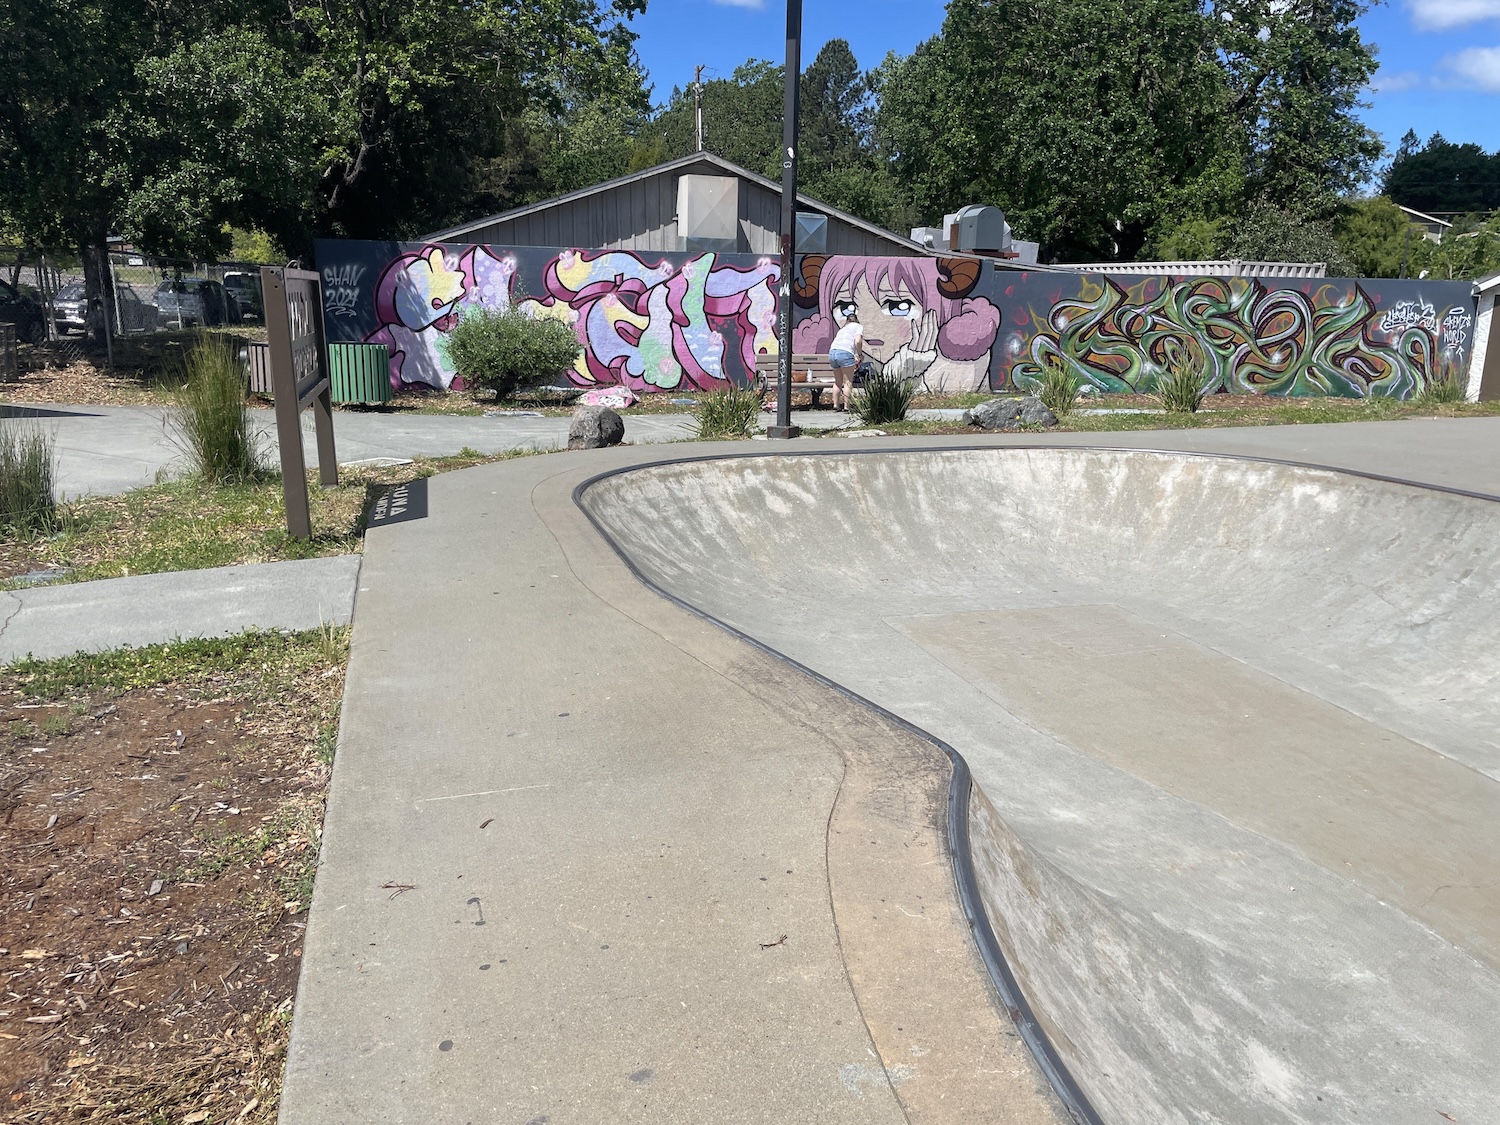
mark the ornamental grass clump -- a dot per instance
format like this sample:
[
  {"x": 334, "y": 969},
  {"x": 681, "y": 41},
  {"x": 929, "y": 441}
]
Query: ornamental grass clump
[
  {"x": 885, "y": 398},
  {"x": 1444, "y": 390},
  {"x": 730, "y": 412},
  {"x": 503, "y": 350},
  {"x": 1180, "y": 390},
  {"x": 213, "y": 422},
  {"x": 27, "y": 467},
  {"x": 1059, "y": 387}
]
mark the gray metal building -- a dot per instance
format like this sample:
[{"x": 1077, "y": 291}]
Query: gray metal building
[{"x": 700, "y": 202}]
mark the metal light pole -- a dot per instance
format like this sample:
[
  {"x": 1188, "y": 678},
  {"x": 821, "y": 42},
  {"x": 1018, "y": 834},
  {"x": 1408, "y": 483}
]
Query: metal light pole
[{"x": 783, "y": 427}]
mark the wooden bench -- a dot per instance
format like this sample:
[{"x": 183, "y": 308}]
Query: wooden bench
[{"x": 810, "y": 373}]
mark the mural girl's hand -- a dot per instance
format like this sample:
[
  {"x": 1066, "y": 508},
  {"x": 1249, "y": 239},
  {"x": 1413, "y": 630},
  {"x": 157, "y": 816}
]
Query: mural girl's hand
[{"x": 919, "y": 353}]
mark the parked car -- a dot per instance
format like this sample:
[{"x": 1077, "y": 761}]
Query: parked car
[
  {"x": 135, "y": 314},
  {"x": 191, "y": 302},
  {"x": 24, "y": 312},
  {"x": 70, "y": 308},
  {"x": 245, "y": 288}
]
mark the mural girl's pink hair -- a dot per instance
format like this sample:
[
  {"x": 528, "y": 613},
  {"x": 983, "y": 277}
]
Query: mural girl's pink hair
[{"x": 967, "y": 326}]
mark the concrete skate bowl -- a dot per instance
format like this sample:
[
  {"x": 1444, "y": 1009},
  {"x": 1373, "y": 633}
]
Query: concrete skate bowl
[{"x": 1232, "y": 727}]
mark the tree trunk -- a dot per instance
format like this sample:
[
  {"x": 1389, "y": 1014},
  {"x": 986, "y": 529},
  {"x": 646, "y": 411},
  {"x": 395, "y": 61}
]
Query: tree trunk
[{"x": 100, "y": 317}]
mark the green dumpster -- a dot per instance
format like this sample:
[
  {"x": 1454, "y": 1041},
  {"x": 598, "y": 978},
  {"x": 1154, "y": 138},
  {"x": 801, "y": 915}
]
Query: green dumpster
[{"x": 360, "y": 372}]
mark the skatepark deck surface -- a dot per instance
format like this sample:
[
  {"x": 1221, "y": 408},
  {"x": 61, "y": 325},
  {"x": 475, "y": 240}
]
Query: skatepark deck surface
[{"x": 590, "y": 857}]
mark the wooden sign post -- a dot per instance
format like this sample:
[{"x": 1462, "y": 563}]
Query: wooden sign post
[{"x": 299, "y": 375}]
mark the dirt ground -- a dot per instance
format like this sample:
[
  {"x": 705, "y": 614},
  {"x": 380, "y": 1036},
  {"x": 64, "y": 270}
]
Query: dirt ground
[{"x": 158, "y": 856}]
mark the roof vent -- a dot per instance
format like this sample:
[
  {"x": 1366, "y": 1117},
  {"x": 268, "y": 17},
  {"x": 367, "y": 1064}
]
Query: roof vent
[
  {"x": 708, "y": 213},
  {"x": 812, "y": 233}
]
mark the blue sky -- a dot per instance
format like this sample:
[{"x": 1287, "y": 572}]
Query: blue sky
[{"x": 1439, "y": 59}]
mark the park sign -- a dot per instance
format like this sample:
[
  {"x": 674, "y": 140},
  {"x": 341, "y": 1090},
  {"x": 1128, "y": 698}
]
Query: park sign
[{"x": 299, "y": 376}]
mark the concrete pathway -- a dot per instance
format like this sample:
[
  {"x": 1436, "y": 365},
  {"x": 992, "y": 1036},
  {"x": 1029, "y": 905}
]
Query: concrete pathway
[
  {"x": 588, "y": 858},
  {"x": 103, "y": 450},
  {"x": 51, "y": 621}
]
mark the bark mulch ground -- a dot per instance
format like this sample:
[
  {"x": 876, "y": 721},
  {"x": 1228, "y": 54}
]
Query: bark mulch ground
[{"x": 159, "y": 842}]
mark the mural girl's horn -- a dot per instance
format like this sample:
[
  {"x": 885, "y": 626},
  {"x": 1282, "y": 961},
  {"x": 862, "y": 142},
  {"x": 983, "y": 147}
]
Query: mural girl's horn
[
  {"x": 957, "y": 277},
  {"x": 805, "y": 285}
]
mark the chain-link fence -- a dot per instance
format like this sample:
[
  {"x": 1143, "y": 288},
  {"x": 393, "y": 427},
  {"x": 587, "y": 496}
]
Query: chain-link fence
[{"x": 45, "y": 297}]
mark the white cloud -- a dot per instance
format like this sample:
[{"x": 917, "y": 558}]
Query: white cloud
[
  {"x": 1385, "y": 83},
  {"x": 1478, "y": 68},
  {"x": 1440, "y": 15},
  {"x": 758, "y": 4}
]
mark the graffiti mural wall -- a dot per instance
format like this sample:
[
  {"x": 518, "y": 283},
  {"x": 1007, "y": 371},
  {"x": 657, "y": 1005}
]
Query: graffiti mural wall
[
  {"x": 683, "y": 322},
  {"x": 653, "y": 322},
  {"x": 1283, "y": 336}
]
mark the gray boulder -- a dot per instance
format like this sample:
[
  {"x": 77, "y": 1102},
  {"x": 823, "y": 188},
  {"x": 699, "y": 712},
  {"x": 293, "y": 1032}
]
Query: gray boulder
[
  {"x": 1033, "y": 413},
  {"x": 595, "y": 427},
  {"x": 1009, "y": 414}
]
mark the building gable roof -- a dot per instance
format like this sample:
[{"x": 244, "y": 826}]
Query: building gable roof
[{"x": 723, "y": 166}]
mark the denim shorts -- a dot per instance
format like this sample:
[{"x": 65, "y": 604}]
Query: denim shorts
[{"x": 840, "y": 358}]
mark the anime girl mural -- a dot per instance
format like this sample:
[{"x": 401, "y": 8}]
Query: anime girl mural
[{"x": 920, "y": 320}]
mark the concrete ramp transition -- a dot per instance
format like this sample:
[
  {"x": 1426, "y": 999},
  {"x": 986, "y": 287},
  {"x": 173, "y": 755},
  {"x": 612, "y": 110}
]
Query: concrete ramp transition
[{"x": 1232, "y": 727}]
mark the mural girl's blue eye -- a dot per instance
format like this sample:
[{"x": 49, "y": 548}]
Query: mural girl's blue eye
[
  {"x": 898, "y": 306},
  {"x": 844, "y": 309}
]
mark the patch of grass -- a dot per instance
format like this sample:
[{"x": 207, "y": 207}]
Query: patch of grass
[
  {"x": 56, "y": 725},
  {"x": 190, "y": 524},
  {"x": 728, "y": 413},
  {"x": 27, "y": 468},
  {"x": 259, "y": 663},
  {"x": 213, "y": 417},
  {"x": 1180, "y": 390},
  {"x": 884, "y": 399},
  {"x": 327, "y": 744},
  {"x": 1273, "y": 412},
  {"x": 21, "y": 729},
  {"x": 1060, "y": 387}
]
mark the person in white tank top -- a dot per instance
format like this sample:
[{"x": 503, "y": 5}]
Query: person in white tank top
[{"x": 844, "y": 354}]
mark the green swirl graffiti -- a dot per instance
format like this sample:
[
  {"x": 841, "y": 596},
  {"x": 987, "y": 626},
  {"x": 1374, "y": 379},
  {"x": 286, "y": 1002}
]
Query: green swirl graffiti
[{"x": 1245, "y": 338}]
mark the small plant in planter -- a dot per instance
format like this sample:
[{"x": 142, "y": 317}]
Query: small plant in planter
[{"x": 499, "y": 351}]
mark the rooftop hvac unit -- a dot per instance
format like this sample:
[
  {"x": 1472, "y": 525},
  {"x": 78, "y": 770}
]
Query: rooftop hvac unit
[
  {"x": 708, "y": 213},
  {"x": 929, "y": 238},
  {"x": 982, "y": 229}
]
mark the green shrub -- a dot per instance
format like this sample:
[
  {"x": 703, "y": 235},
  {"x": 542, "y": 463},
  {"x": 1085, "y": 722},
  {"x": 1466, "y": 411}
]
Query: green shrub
[
  {"x": 1180, "y": 390},
  {"x": 1060, "y": 387},
  {"x": 728, "y": 413},
  {"x": 885, "y": 398},
  {"x": 500, "y": 351},
  {"x": 26, "y": 471},
  {"x": 213, "y": 416},
  {"x": 1443, "y": 390}
]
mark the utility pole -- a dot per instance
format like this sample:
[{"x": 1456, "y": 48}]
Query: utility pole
[
  {"x": 698, "y": 103},
  {"x": 783, "y": 427}
]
